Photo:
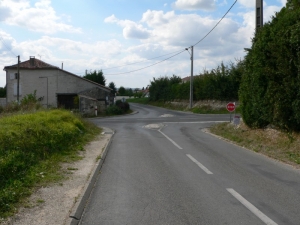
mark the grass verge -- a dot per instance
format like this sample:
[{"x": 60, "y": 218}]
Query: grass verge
[
  {"x": 32, "y": 147},
  {"x": 273, "y": 143}
]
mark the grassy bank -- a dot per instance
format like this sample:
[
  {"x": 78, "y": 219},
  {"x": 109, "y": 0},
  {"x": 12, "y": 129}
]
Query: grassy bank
[
  {"x": 276, "y": 144},
  {"x": 32, "y": 146}
]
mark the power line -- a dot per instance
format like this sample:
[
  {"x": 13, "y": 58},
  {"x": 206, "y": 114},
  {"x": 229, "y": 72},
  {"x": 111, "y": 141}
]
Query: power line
[
  {"x": 149, "y": 65},
  {"x": 177, "y": 52},
  {"x": 1, "y": 38},
  {"x": 216, "y": 24},
  {"x": 141, "y": 61}
]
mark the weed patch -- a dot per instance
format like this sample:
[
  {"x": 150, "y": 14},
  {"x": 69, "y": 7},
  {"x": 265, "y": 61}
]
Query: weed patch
[
  {"x": 32, "y": 146},
  {"x": 276, "y": 144}
]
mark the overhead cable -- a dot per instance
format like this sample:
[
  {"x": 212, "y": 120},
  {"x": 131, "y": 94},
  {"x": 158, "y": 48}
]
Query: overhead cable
[
  {"x": 149, "y": 65},
  {"x": 177, "y": 52},
  {"x": 216, "y": 24},
  {"x": 141, "y": 61},
  {"x": 1, "y": 38}
]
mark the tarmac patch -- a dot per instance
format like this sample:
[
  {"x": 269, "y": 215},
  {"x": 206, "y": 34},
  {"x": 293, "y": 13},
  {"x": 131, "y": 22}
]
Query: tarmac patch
[{"x": 154, "y": 126}]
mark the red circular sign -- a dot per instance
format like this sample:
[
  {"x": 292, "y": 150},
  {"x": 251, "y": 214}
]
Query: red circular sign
[{"x": 230, "y": 106}]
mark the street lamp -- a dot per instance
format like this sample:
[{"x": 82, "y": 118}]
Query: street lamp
[
  {"x": 47, "y": 89},
  {"x": 191, "y": 78}
]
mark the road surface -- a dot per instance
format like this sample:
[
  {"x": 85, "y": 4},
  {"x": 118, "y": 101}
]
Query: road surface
[{"x": 162, "y": 168}]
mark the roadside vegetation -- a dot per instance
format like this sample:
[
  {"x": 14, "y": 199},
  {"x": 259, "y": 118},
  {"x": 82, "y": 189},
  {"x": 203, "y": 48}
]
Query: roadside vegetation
[
  {"x": 119, "y": 108},
  {"x": 33, "y": 144},
  {"x": 276, "y": 144},
  {"x": 199, "y": 107}
]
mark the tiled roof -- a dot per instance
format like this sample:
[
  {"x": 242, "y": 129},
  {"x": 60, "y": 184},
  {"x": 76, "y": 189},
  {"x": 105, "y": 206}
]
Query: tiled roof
[{"x": 32, "y": 63}]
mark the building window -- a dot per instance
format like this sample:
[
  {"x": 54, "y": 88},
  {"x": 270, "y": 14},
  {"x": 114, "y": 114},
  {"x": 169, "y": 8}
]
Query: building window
[{"x": 13, "y": 76}]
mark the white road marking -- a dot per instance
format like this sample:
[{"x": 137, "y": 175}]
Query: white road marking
[
  {"x": 173, "y": 142},
  {"x": 199, "y": 164},
  {"x": 251, "y": 207}
]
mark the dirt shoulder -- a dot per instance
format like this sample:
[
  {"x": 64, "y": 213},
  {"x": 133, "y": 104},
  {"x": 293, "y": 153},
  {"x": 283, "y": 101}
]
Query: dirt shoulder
[
  {"x": 273, "y": 143},
  {"x": 54, "y": 203}
]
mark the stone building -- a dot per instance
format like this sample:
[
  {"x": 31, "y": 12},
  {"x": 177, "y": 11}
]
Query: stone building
[{"x": 55, "y": 87}]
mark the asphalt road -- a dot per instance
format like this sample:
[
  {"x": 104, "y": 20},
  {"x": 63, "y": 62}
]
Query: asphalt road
[{"x": 162, "y": 168}]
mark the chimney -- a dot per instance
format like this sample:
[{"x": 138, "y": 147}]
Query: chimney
[{"x": 32, "y": 60}]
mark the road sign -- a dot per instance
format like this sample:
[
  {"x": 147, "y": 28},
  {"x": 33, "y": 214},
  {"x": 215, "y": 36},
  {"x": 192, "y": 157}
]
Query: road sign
[{"x": 230, "y": 106}]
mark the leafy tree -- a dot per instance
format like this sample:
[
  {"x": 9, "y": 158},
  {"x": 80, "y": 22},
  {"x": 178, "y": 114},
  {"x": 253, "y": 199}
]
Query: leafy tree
[
  {"x": 130, "y": 92},
  {"x": 270, "y": 87},
  {"x": 112, "y": 86},
  {"x": 161, "y": 88},
  {"x": 3, "y": 92},
  {"x": 96, "y": 76},
  {"x": 122, "y": 91}
]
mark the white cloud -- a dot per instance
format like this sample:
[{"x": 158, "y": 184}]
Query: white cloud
[
  {"x": 251, "y": 4},
  {"x": 40, "y": 18},
  {"x": 169, "y": 29},
  {"x": 207, "y": 5},
  {"x": 5, "y": 12},
  {"x": 283, "y": 2},
  {"x": 7, "y": 45},
  {"x": 131, "y": 30},
  {"x": 247, "y": 3},
  {"x": 269, "y": 11}
]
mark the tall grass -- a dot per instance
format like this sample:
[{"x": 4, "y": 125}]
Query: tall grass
[{"x": 30, "y": 145}]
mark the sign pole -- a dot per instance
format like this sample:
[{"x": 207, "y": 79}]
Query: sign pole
[{"x": 231, "y": 108}]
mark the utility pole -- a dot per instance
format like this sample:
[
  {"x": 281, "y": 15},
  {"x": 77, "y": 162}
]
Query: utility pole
[
  {"x": 18, "y": 78},
  {"x": 259, "y": 14},
  {"x": 191, "y": 78}
]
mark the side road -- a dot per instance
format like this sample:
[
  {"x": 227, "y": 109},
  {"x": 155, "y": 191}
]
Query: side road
[{"x": 64, "y": 202}]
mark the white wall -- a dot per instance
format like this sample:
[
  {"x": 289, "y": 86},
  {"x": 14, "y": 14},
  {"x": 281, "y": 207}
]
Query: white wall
[{"x": 47, "y": 83}]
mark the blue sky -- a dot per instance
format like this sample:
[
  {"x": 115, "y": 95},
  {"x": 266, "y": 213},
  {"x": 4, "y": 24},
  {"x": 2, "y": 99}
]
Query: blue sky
[{"x": 120, "y": 36}]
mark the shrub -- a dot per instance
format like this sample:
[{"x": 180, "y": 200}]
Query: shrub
[
  {"x": 113, "y": 110},
  {"x": 118, "y": 109}
]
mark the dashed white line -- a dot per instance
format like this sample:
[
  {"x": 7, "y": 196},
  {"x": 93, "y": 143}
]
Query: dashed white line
[
  {"x": 251, "y": 207},
  {"x": 199, "y": 164},
  {"x": 173, "y": 142}
]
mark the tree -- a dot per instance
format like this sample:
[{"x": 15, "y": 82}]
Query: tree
[
  {"x": 3, "y": 92},
  {"x": 112, "y": 86},
  {"x": 270, "y": 86},
  {"x": 122, "y": 91},
  {"x": 96, "y": 76},
  {"x": 130, "y": 92}
]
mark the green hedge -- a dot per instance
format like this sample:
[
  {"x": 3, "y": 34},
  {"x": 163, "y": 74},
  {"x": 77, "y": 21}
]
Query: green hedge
[{"x": 270, "y": 87}]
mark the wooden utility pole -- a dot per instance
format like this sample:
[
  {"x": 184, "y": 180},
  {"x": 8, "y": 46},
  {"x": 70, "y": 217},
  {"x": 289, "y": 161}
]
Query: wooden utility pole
[
  {"x": 191, "y": 78},
  {"x": 18, "y": 78}
]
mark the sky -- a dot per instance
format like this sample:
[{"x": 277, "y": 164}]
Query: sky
[{"x": 131, "y": 41}]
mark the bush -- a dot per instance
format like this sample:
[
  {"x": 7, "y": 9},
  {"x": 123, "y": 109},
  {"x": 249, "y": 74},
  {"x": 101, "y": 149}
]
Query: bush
[
  {"x": 113, "y": 110},
  {"x": 28, "y": 103},
  {"x": 118, "y": 109}
]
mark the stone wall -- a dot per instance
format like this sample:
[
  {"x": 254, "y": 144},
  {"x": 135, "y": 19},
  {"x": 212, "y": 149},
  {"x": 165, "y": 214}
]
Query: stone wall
[{"x": 88, "y": 105}]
